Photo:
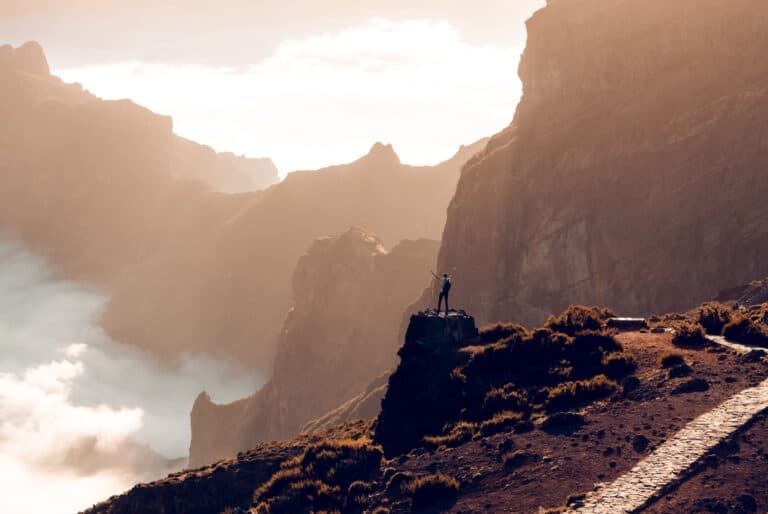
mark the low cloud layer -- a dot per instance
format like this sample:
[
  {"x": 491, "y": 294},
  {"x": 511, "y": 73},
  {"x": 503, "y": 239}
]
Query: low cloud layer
[{"x": 82, "y": 417}]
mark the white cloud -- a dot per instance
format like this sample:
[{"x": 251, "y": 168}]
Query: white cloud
[
  {"x": 82, "y": 417},
  {"x": 325, "y": 99}
]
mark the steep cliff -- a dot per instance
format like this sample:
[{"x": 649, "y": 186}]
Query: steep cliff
[
  {"x": 109, "y": 193},
  {"x": 423, "y": 390},
  {"x": 633, "y": 174},
  {"x": 341, "y": 333}
]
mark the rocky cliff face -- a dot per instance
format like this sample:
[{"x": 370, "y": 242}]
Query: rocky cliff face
[
  {"x": 113, "y": 197},
  {"x": 421, "y": 391},
  {"x": 633, "y": 174},
  {"x": 341, "y": 333}
]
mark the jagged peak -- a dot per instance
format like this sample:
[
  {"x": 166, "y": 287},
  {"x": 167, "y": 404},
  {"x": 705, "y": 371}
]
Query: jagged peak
[
  {"x": 354, "y": 235},
  {"x": 28, "y": 57},
  {"x": 380, "y": 152}
]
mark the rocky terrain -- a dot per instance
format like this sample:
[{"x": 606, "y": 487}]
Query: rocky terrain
[
  {"x": 540, "y": 439},
  {"x": 633, "y": 173},
  {"x": 341, "y": 332},
  {"x": 754, "y": 293},
  {"x": 108, "y": 193}
]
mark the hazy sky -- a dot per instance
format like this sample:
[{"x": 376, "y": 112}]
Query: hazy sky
[{"x": 308, "y": 83}]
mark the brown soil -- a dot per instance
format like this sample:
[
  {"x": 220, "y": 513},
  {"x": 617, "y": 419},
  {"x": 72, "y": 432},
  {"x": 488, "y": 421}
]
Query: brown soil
[
  {"x": 601, "y": 450},
  {"x": 730, "y": 481},
  {"x": 552, "y": 466}
]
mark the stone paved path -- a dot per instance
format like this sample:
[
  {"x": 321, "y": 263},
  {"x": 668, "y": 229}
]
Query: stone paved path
[
  {"x": 669, "y": 462},
  {"x": 741, "y": 348}
]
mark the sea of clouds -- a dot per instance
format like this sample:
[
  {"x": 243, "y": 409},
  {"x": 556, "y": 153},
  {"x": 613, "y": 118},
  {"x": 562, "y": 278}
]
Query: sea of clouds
[{"x": 83, "y": 417}]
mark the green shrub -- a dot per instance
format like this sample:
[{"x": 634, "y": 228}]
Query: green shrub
[
  {"x": 571, "y": 394},
  {"x": 744, "y": 330},
  {"x": 689, "y": 334},
  {"x": 429, "y": 490},
  {"x": 714, "y": 316},
  {"x": 578, "y": 318},
  {"x": 617, "y": 365},
  {"x": 671, "y": 359}
]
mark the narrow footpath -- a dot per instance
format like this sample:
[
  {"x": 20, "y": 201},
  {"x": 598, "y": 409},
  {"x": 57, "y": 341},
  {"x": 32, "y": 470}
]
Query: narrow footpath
[{"x": 671, "y": 462}]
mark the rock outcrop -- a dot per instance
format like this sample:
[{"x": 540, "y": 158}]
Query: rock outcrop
[
  {"x": 111, "y": 196},
  {"x": 748, "y": 295},
  {"x": 421, "y": 390},
  {"x": 28, "y": 58},
  {"x": 633, "y": 174},
  {"x": 342, "y": 332}
]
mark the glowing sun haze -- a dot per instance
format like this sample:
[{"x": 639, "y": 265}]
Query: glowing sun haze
[{"x": 308, "y": 92}]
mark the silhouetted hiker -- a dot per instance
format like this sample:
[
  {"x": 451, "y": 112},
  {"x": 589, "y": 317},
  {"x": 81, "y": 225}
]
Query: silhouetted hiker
[{"x": 445, "y": 288}]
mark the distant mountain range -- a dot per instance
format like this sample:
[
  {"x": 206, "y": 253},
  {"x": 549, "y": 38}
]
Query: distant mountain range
[{"x": 111, "y": 196}]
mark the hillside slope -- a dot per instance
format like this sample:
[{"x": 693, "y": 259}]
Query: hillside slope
[
  {"x": 341, "y": 333},
  {"x": 633, "y": 174},
  {"x": 541, "y": 435}
]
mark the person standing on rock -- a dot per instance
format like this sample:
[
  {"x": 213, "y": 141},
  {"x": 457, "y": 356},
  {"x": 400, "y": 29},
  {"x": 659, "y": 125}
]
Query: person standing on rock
[{"x": 445, "y": 288}]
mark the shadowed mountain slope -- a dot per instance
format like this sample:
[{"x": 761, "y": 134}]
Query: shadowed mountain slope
[
  {"x": 341, "y": 333},
  {"x": 633, "y": 174}
]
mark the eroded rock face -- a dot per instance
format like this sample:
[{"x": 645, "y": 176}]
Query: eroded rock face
[
  {"x": 421, "y": 390},
  {"x": 633, "y": 174},
  {"x": 350, "y": 293}
]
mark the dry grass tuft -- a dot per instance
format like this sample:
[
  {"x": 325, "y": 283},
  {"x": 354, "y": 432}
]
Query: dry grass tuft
[
  {"x": 714, "y": 316},
  {"x": 429, "y": 490},
  {"x": 743, "y": 329},
  {"x": 578, "y": 318},
  {"x": 330, "y": 476},
  {"x": 689, "y": 334},
  {"x": 500, "y": 422},
  {"x": 571, "y": 394},
  {"x": 459, "y": 434}
]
